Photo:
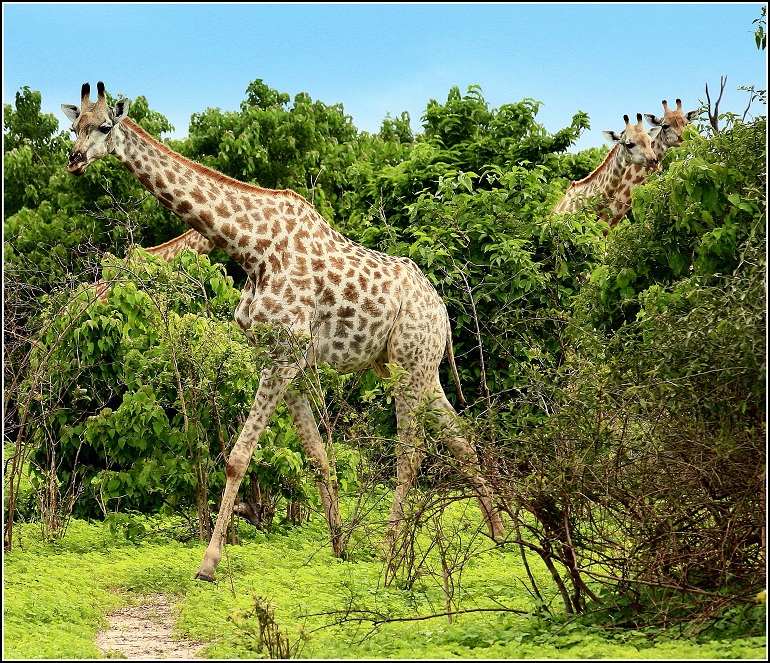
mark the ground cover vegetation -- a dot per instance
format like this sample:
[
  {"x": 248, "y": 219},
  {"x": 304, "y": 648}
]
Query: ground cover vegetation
[
  {"x": 615, "y": 387},
  {"x": 285, "y": 590}
]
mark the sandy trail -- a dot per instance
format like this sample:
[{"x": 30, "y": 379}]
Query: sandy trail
[{"x": 144, "y": 632}]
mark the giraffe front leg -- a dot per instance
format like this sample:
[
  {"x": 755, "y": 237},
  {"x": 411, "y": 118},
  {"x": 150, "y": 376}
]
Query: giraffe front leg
[
  {"x": 304, "y": 422},
  {"x": 272, "y": 386}
]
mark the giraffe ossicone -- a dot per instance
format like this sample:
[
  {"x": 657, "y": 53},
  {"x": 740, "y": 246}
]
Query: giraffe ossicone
[
  {"x": 633, "y": 146},
  {"x": 357, "y": 307}
]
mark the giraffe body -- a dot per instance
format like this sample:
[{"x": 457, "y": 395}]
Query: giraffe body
[
  {"x": 341, "y": 303},
  {"x": 191, "y": 240},
  {"x": 672, "y": 126},
  {"x": 632, "y": 147}
]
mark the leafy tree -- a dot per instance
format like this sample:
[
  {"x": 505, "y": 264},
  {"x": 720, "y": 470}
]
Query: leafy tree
[
  {"x": 649, "y": 463},
  {"x": 302, "y": 145},
  {"x": 461, "y": 136},
  {"x": 478, "y": 137},
  {"x": 760, "y": 34},
  {"x": 142, "y": 416},
  {"x": 31, "y": 148}
]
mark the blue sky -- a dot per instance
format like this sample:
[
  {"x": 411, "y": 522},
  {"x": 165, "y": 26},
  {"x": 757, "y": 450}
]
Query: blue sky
[{"x": 377, "y": 59}]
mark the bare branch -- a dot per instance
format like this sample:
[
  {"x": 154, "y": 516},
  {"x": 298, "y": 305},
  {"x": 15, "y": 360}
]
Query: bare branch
[{"x": 714, "y": 115}]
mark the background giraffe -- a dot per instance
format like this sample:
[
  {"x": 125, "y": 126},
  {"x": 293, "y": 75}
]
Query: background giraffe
[
  {"x": 191, "y": 239},
  {"x": 330, "y": 299},
  {"x": 672, "y": 126},
  {"x": 631, "y": 147}
]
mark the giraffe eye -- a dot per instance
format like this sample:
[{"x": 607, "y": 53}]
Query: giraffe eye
[
  {"x": 105, "y": 129},
  {"x": 629, "y": 146}
]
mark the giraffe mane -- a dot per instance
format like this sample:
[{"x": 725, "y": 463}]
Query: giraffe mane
[
  {"x": 595, "y": 173},
  {"x": 215, "y": 175},
  {"x": 175, "y": 240}
]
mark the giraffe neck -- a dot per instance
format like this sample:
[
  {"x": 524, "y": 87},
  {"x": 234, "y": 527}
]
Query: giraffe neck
[
  {"x": 601, "y": 183},
  {"x": 633, "y": 176},
  {"x": 192, "y": 240},
  {"x": 608, "y": 175},
  {"x": 660, "y": 148},
  {"x": 249, "y": 223}
]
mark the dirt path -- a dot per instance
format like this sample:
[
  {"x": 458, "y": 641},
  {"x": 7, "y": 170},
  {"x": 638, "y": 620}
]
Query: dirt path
[{"x": 144, "y": 632}]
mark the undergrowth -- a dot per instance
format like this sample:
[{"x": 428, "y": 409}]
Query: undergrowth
[{"x": 286, "y": 585}]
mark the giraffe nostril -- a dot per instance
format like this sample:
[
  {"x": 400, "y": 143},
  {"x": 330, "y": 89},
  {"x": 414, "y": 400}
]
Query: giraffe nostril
[{"x": 76, "y": 163}]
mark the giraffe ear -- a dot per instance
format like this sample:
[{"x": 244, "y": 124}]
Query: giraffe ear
[
  {"x": 72, "y": 112},
  {"x": 652, "y": 133},
  {"x": 691, "y": 115},
  {"x": 612, "y": 136},
  {"x": 653, "y": 120},
  {"x": 121, "y": 110}
]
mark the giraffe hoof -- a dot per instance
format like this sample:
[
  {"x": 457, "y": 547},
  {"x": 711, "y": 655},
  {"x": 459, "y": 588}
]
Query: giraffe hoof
[{"x": 200, "y": 576}]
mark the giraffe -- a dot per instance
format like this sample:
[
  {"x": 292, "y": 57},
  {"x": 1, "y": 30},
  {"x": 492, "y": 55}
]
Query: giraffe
[
  {"x": 672, "y": 126},
  {"x": 191, "y": 239},
  {"x": 631, "y": 147},
  {"x": 348, "y": 305}
]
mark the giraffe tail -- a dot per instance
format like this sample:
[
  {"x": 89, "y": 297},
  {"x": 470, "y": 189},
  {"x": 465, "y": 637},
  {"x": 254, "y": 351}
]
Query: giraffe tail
[{"x": 451, "y": 355}]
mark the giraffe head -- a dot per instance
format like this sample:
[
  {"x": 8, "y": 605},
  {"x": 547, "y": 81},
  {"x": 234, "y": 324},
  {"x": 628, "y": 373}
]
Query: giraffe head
[
  {"x": 672, "y": 123},
  {"x": 92, "y": 125},
  {"x": 636, "y": 143}
]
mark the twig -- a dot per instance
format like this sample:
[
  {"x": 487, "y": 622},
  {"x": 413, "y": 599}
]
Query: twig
[
  {"x": 378, "y": 618},
  {"x": 714, "y": 117}
]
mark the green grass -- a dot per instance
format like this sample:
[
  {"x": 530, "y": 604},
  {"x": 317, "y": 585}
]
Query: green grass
[{"x": 56, "y": 596}]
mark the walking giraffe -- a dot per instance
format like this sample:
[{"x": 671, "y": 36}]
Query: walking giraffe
[
  {"x": 191, "y": 240},
  {"x": 353, "y": 307},
  {"x": 631, "y": 147},
  {"x": 672, "y": 126}
]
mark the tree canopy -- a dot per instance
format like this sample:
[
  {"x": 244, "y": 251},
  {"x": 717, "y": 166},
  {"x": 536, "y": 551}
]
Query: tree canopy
[{"x": 616, "y": 382}]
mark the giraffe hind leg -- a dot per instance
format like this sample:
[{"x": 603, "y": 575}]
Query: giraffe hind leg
[
  {"x": 409, "y": 455},
  {"x": 467, "y": 460}
]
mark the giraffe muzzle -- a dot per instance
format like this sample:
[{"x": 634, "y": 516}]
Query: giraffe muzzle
[
  {"x": 654, "y": 164},
  {"x": 76, "y": 163}
]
